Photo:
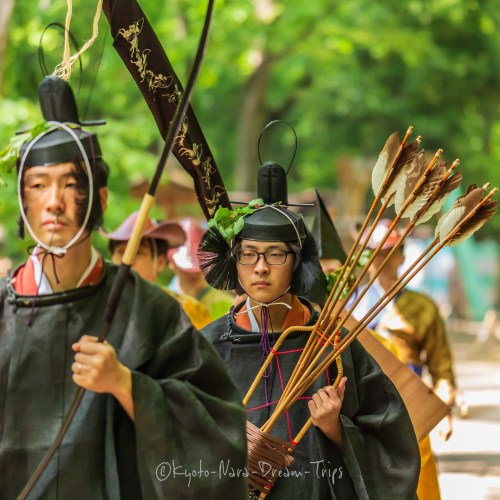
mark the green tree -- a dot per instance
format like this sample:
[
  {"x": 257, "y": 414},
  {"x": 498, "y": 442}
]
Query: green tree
[{"x": 345, "y": 74}]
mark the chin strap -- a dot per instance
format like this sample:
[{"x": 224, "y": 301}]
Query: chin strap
[
  {"x": 265, "y": 341},
  {"x": 265, "y": 304}
]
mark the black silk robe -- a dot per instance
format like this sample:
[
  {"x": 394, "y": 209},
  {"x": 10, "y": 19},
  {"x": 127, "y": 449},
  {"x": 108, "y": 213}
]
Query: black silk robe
[
  {"x": 381, "y": 457},
  {"x": 189, "y": 423}
]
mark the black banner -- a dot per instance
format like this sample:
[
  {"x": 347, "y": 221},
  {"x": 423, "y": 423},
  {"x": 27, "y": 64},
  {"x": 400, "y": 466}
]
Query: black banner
[{"x": 141, "y": 51}]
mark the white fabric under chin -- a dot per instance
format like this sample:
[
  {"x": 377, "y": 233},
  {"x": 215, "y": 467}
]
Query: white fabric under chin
[
  {"x": 251, "y": 316},
  {"x": 41, "y": 280}
]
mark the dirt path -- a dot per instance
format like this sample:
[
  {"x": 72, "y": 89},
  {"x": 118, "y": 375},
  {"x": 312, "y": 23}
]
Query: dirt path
[{"x": 469, "y": 463}]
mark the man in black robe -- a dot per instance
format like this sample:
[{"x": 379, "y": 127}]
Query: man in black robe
[{"x": 160, "y": 418}]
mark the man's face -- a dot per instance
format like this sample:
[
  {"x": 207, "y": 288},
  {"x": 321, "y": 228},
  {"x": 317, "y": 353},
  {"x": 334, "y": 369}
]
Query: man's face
[
  {"x": 147, "y": 265},
  {"x": 52, "y": 201},
  {"x": 261, "y": 281}
]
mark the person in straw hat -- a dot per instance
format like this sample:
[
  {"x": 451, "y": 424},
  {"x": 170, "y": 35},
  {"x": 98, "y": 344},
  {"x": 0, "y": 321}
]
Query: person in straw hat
[{"x": 157, "y": 239}]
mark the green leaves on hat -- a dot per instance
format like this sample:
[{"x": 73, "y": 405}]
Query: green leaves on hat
[
  {"x": 9, "y": 155},
  {"x": 230, "y": 223}
]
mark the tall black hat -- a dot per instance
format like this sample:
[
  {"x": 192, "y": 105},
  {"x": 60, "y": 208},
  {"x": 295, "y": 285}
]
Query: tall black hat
[
  {"x": 58, "y": 104},
  {"x": 269, "y": 220},
  {"x": 63, "y": 140}
]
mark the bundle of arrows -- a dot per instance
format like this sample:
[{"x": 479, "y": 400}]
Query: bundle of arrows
[{"x": 418, "y": 190}]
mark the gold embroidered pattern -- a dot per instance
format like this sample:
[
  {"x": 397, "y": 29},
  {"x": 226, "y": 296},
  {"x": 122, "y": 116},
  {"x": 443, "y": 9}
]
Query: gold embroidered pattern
[
  {"x": 140, "y": 59},
  {"x": 213, "y": 203},
  {"x": 155, "y": 82},
  {"x": 175, "y": 96},
  {"x": 208, "y": 170}
]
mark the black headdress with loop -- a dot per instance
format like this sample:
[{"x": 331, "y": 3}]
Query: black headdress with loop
[
  {"x": 266, "y": 219},
  {"x": 56, "y": 144},
  {"x": 58, "y": 104}
]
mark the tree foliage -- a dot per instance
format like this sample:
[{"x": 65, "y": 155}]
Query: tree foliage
[{"x": 345, "y": 74}]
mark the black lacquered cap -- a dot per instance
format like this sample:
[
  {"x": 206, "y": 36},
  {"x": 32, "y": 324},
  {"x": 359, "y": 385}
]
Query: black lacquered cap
[
  {"x": 60, "y": 147},
  {"x": 58, "y": 103},
  {"x": 273, "y": 224}
]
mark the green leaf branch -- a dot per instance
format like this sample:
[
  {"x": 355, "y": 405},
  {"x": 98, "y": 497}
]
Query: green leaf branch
[
  {"x": 9, "y": 155},
  {"x": 230, "y": 223}
]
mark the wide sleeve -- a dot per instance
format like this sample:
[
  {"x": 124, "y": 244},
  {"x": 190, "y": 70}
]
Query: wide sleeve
[
  {"x": 189, "y": 421},
  {"x": 380, "y": 447}
]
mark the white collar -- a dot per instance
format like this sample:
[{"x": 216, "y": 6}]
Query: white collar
[
  {"x": 251, "y": 316},
  {"x": 41, "y": 280}
]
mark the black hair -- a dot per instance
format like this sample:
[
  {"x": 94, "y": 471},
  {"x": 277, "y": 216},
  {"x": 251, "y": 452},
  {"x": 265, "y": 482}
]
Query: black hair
[{"x": 99, "y": 180}]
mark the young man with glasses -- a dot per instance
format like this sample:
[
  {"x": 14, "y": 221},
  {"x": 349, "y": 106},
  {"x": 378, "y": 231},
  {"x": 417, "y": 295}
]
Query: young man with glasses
[{"x": 362, "y": 444}]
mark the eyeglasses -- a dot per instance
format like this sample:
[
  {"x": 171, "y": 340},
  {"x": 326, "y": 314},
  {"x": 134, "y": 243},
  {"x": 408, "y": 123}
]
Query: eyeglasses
[{"x": 272, "y": 257}]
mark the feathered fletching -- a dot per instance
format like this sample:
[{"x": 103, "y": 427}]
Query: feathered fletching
[
  {"x": 216, "y": 262},
  {"x": 384, "y": 161},
  {"x": 462, "y": 206},
  {"x": 440, "y": 199},
  {"x": 401, "y": 170},
  {"x": 408, "y": 179},
  {"x": 481, "y": 217},
  {"x": 428, "y": 189}
]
